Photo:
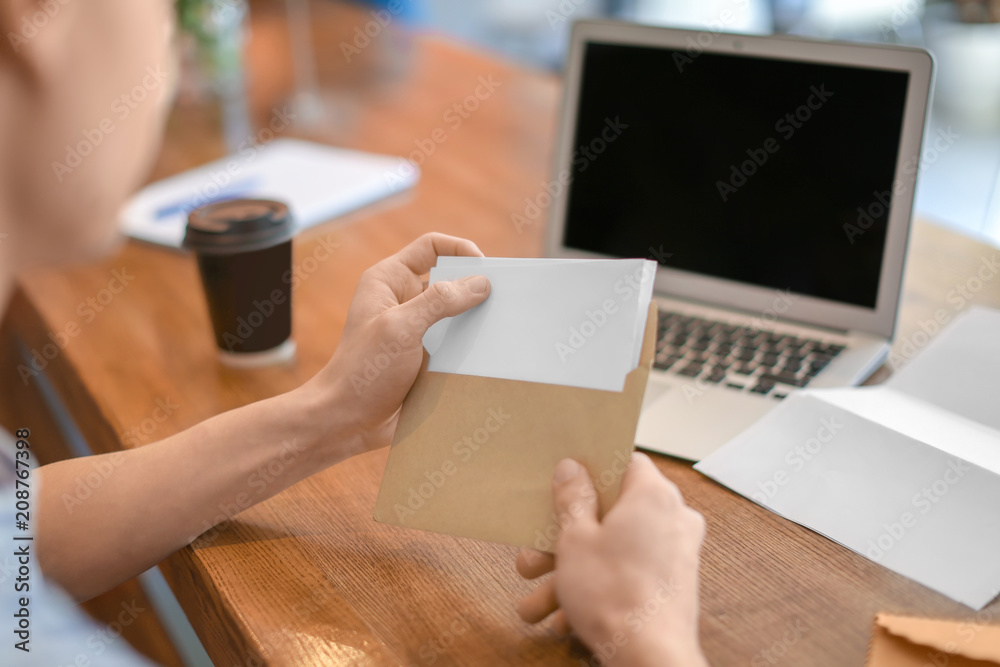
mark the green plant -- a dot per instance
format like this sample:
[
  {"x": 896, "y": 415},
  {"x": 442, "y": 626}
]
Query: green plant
[{"x": 191, "y": 17}]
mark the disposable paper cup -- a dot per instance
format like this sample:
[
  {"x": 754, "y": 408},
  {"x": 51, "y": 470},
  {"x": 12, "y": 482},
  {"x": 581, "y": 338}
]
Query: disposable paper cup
[{"x": 244, "y": 252}]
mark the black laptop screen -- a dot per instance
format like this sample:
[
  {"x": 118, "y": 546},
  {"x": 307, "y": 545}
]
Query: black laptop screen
[{"x": 763, "y": 171}]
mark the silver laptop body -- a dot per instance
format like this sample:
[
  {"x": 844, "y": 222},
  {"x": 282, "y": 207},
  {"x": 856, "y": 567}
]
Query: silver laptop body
[{"x": 773, "y": 180}]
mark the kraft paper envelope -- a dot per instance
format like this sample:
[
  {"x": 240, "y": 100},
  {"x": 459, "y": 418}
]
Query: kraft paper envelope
[
  {"x": 903, "y": 641},
  {"x": 474, "y": 456}
]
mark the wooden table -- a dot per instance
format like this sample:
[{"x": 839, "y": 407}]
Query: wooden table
[{"x": 308, "y": 577}]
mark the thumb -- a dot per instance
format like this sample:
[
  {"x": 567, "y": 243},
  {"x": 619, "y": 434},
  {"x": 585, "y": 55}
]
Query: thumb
[
  {"x": 574, "y": 495},
  {"x": 446, "y": 299}
]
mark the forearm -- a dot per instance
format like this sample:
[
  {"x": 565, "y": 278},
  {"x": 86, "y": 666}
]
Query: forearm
[{"x": 159, "y": 497}]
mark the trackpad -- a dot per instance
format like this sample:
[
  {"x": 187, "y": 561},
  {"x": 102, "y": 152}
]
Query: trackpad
[{"x": 691, "y": 423}]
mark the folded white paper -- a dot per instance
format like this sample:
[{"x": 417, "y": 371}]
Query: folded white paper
[
  {"x": 570, "y": 322},
  {"x": 317, "y": 182},
  {"x": 906, "y": 474},
  {"x": 959, "y": 370}
]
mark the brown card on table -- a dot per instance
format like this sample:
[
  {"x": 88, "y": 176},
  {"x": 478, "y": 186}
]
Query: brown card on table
[
  {"x": 905, "y": 641},
  {"x": 474, "y": 456}
]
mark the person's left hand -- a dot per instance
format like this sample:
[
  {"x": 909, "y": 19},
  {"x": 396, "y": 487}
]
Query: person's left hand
[{"x": 381, "y": 349}]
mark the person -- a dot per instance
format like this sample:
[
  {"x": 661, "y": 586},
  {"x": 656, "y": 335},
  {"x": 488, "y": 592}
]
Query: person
[{"x": 77, "y": 137}]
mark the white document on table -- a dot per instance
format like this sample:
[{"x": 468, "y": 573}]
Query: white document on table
[
  {"x": 906, "y": 474},
  {"x": 317, "y": 182},
  {"x": 570, "y": 322}
]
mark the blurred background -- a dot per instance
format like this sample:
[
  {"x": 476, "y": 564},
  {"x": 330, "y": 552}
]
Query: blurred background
[
  {"x": 959, "y": 182},
  {"x": 959, "y": 186}
]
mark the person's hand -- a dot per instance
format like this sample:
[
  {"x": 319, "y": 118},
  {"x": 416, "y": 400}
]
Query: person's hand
[
  {"x": 627, "y": 585},
  {"x": 381, "y": 349}
]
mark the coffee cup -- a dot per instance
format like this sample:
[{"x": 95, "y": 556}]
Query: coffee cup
[{"x": 244, "y": 253}]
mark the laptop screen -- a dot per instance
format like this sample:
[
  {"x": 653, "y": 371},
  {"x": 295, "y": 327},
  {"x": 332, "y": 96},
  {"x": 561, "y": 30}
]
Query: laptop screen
[{"x": 770, "y": 172}]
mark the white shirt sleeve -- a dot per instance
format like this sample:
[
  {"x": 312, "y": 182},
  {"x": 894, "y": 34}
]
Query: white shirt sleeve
[{"x": 37, "y": 615}]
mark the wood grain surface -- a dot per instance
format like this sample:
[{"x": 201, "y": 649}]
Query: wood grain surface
[{"x": 307, "y": 578}]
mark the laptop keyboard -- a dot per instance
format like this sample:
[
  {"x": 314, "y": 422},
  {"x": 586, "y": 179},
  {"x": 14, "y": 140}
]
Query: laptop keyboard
[{"x": 740, "y": 358}]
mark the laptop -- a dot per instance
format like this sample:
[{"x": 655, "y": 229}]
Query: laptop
[{"x": 772, "y": 178}]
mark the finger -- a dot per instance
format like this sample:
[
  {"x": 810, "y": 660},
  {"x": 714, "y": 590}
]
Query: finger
[
  {"x": 641, "y": 474},
  {"x": 532, "y": 563},
  {"x": 559, "y": 625},
  {"x": 574, "y": 495},
  {"x": 422, "y": 254},
  {"x": 444, "y": 299},
  {"x": 540, "y": 603}
]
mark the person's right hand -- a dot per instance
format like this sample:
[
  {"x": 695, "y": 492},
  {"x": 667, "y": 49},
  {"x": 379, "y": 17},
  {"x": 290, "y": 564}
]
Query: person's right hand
[
  {"x": 626, "y": 585},
  {"x": 381, "y": 349}
]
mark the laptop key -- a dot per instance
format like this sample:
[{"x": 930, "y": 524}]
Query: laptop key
[
  {"x": 762, "y": 388},
  {"x": 816, "y": 366},
  {"x": 691, "y": 370},
  {"x": 783, "y": 378}
]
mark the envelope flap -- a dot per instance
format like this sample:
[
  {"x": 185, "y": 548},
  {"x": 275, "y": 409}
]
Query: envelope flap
[
  {"x": 967, "y": 638},
  {"x": 649, "y": 339}
]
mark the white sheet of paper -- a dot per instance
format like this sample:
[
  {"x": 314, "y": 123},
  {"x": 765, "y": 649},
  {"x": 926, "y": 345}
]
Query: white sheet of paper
[
  {"x": 959, "y": 369},
  {"x": 645, "y": 293},
  {"x": 318, "y": 183},
  {"x": 569, "y": 322},
  {"x": 902, "y": 498}
]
